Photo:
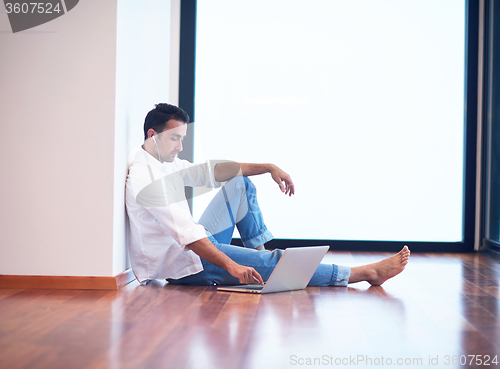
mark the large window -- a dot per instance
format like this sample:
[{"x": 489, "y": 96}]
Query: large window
[{"x": 362, "y": 102}]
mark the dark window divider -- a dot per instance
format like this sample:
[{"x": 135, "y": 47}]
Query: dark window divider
[{"x": 187, "y": 72}]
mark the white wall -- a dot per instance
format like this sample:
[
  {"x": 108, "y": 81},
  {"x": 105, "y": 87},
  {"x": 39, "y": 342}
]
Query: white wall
[
  {"x": 73, "y": 96},
  {"x": 142, "y": 80}
]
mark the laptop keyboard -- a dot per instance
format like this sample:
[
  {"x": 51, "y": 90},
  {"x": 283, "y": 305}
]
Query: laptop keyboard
[{"x": 257, "y": 287}]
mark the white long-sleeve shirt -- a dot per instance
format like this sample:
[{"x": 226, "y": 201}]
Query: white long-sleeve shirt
[{"x": 161, "y": 224}]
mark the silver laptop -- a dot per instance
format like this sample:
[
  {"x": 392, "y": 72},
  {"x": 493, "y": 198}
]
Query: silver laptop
[{"x": 293, "y": 271}]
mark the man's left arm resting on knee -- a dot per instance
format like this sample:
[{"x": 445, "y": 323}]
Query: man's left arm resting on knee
[
  {"x": 227, "y": 170},
  {"x": 205, "y": 249}
]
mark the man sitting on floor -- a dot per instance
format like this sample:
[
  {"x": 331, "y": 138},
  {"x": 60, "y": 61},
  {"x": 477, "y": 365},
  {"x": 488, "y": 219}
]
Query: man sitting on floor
[{"x": 166, "y": 243}]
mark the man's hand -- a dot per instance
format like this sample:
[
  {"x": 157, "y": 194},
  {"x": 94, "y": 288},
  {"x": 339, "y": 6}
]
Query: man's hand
[
  {"x": 245, "y": 275},
  {"x": 283, "y": 180},
  {"x": 205, "y": 249}
]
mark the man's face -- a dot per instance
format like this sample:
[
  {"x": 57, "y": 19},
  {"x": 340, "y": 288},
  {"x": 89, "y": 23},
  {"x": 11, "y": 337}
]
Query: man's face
[{"x": 170, "y": 140}]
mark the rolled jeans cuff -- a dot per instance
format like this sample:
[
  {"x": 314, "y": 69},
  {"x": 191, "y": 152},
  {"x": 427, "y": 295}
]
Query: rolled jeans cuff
[
  {"x": 340, "y": 276},
  {"x": 258, "y": 239}
]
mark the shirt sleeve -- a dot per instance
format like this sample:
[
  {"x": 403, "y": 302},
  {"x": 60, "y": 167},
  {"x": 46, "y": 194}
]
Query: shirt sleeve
[
  {"x": 164, "y": 199},
  {"x": 199, "y": 174},
  {"x": 177, "y": 221}
]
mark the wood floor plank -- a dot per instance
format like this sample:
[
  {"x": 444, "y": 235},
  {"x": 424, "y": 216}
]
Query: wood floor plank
[
  {"x": 4, "y": 293},
  {"x": 141, "y": 340}
]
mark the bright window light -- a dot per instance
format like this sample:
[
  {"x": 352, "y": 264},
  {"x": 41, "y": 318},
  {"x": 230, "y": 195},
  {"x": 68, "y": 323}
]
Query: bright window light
[{"x": 360, "y": 101}]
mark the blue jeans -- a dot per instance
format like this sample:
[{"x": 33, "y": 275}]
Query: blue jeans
[{"x": 236, "y": 206}]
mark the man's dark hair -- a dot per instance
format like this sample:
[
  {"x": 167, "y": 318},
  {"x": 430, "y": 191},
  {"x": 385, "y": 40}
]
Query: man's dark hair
[{"x": 158, "y": 117}]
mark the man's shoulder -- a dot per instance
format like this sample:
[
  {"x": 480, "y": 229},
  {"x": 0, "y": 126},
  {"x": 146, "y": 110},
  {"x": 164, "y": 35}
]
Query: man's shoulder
[
  {"x": 139, "y": 171},
  {"x": 134, "y": 155}
]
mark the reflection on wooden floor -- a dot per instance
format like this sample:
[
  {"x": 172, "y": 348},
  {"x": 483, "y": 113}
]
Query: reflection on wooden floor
[{"x": 441, "y": 307}]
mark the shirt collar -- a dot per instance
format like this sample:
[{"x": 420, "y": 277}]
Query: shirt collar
[{"x": 161, "y": 169}]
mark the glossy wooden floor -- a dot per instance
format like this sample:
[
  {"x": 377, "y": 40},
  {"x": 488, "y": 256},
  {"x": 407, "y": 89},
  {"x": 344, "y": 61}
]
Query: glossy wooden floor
[{"x": 441, "y": 306}]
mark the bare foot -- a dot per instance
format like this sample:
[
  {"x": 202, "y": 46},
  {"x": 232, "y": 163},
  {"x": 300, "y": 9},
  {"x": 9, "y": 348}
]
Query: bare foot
[{"x": 378, "y": 273}]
